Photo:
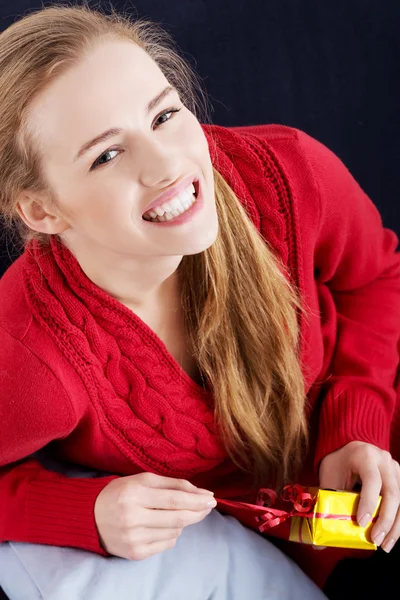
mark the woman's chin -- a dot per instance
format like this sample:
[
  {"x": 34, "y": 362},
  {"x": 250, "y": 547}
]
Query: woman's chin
[{"x": 202, "y": 242}]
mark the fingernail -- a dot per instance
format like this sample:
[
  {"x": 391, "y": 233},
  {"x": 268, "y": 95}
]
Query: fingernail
[
  {"x": 205, "y": 491},
  {"x": 388, "y": 545},
  {"x": 365, "y": 519},
  {"x": 211, "y": 504},
  {"x": 378, "y": 539}
]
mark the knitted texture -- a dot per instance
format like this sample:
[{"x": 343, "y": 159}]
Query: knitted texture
[{"x": 145, "y": 401}]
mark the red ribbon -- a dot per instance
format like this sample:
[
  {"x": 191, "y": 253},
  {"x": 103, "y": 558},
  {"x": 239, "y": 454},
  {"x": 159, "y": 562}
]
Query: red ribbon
[{"x": 302, "y": 502}]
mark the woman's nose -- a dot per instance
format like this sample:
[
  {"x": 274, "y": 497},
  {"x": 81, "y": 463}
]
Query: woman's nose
[{"x": 157, "y": 162}]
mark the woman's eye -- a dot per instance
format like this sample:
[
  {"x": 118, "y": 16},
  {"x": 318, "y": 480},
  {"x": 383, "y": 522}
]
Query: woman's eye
[
  {"x": 169, "y": 112},
  {"x": 100, "y": 161}
]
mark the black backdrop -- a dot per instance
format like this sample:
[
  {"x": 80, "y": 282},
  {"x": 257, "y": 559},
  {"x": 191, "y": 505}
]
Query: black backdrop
[{"x": 329, "y": 67}]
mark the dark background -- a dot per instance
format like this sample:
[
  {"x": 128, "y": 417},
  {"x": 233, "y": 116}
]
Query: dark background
[{"x": 329, "y": 67}]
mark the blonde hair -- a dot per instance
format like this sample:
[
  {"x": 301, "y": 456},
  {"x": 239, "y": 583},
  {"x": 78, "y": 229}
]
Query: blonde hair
[{"x": 241, "y": 313}]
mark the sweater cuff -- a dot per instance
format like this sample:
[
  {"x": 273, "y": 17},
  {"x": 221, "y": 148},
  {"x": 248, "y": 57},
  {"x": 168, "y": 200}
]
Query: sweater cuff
[
  {"x": 61, "y": 512},
  {"x": 348, "y": 415}
]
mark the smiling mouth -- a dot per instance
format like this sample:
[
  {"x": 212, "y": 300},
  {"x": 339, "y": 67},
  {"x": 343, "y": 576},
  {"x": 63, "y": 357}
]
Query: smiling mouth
[{"x": 174, "y": 208}]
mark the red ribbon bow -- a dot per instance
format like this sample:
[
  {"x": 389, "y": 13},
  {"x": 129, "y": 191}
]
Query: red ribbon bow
[{"x": 301, "y": 500}]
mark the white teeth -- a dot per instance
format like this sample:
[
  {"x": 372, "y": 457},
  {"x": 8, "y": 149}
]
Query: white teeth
[
  {"x": 168, "y": 216},
  {"x": 173, "y": 208},
  {"x": 179, "y": 203},
  {"x": 159, "y": 211}
]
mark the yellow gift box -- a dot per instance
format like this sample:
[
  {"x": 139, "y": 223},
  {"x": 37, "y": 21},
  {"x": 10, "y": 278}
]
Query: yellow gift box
[
  {"x": 333, "y": 522},
  {"x": 312, "y": 516}
]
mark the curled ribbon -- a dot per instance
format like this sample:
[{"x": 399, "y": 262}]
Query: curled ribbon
[{"x": 301, "y": 500}]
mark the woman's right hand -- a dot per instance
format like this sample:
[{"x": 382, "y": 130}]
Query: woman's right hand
[{"x": 140, "y": 515}]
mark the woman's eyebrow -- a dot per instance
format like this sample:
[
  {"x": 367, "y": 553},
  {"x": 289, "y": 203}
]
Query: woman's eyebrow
[{"x": 115, "y": 131}]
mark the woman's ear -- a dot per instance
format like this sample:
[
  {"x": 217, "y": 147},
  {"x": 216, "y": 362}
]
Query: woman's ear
[{"x": 39, "y": 214}]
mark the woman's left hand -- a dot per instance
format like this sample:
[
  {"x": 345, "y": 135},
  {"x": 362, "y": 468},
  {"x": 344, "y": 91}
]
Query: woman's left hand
[{"x": 379, "y": 474}]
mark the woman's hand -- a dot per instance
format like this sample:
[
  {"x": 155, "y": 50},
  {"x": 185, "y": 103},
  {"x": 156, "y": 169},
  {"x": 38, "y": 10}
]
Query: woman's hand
[
  {"x": 379, "y": 474},
  {"x": 140, "y": 515}
]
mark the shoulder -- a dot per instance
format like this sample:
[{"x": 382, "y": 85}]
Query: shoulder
[
  {"x": 271, "y": 158},
  {"x": 37, "y": 392},
  {"x": 260, "y": 150},
  {"x": 15, "y": 316},
  {"x": 273, "y": 154},
  {"x": 31, "y": 364},
  {"x": 276, "y": 178},
  {"x": 28, "y": 361},
  {"x": 35, "y": 407}
]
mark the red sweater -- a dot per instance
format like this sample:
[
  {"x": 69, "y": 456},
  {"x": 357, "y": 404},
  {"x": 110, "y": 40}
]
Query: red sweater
[{"x": 80, "y": 370}]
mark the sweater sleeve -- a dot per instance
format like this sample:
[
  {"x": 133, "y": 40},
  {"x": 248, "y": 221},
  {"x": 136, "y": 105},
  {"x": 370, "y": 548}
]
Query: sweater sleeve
[
  {"x": 39, "y": 505},
  {"x": 355, "y": 258}
]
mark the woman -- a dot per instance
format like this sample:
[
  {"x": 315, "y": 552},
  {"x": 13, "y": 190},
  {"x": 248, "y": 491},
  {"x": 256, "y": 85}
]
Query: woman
[{"x": 197, "y": 311}]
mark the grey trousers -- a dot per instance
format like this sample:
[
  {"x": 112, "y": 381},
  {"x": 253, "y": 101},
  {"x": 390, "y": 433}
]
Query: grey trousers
[{"x": 217, "y": 559}]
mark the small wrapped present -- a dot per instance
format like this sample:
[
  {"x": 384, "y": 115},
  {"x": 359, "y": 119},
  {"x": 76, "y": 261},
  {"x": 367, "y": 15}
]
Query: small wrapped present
[{"x": 319, "y": 517}]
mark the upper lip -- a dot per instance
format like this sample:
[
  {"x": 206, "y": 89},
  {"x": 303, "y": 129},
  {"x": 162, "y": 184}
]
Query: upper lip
[{"x": 171, "y": 192}]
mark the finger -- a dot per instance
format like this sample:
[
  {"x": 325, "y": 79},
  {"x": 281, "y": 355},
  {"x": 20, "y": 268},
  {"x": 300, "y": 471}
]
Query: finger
[
  {"x": 172, "y": 519},
  {"x": 393, "y": 535},
  {"x": 146, "y": 550},
  {"x": 371, "y": 487},
  {"x": 319, "y": 547},
  {"x": 176, "y": 500},
  {"x": 170, "y": 483},
  {"x": 389, "y": 505}
]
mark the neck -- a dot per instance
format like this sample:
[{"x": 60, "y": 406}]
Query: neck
[{"x": 140, "y": 283}]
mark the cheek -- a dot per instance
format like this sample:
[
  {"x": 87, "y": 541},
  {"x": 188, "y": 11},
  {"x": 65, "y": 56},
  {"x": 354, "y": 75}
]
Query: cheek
[
  {"x": 106, "y": 207},
  {"x": 193, "y": 139},
  {"x": 95, "y": 206}
]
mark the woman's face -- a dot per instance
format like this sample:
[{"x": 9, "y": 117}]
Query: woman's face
[{"x": 102, "y": 193}]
